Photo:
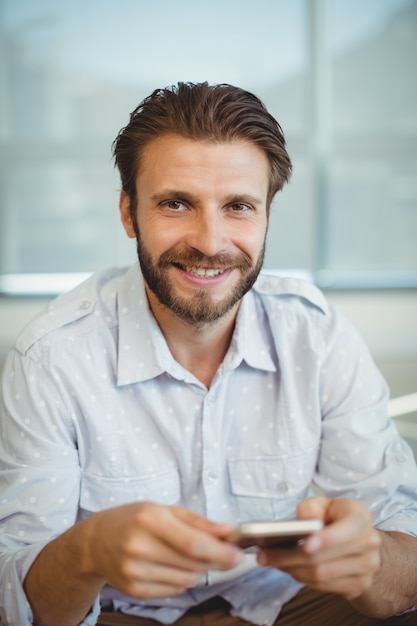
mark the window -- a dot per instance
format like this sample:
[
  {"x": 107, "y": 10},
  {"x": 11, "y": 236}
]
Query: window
[
  {"x": 372, "y": 161},
  {"x": 338, "y": 75}
]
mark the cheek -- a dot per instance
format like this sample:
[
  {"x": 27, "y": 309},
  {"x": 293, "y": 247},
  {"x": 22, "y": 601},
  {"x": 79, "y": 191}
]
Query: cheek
[
  {"x": 253, "y": 242},
  {"x": 158, "y": 237}
]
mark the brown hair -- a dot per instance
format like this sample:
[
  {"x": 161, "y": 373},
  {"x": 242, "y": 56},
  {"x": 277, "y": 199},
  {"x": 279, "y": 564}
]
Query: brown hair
[{"x": 218, "y": 113}]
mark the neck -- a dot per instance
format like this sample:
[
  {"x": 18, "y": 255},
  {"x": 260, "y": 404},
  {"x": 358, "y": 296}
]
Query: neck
[{"x": 199, "y": 348}]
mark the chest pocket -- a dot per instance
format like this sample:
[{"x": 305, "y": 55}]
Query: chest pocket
[
  {"x": 98, "y": 493},
  {"x": 270, "y": 487}
]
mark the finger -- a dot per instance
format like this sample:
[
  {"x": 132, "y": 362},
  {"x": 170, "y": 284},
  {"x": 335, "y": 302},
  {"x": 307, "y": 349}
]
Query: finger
[
  {"x": 350, "y": 586},
  {"x": 212, "y": 551},
  {"x": 147, "y": 590},
  {"x": 189, "y": 517},
  {"x": 144, "y": 589},
  {"x": 313, "y": 507},
  {"x": 152, "y": 549},
  {"x": 202, "y": 523},
  {"x": 303, "y": 555},
  {"x": 338, "y": 543},
  {"x": 348, "y": 576},
  {"x": 362, "y": 564},
  {"x": 348, "y": 525},
  {"x": 140, "y": 574},
  {"x": 187, "y": 541}
]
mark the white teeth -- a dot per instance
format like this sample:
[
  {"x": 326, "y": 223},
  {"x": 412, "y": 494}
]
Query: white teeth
[{"x": 201, "y": 271}]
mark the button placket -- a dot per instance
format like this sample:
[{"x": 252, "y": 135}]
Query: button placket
[{"x": 211, "y": 474}]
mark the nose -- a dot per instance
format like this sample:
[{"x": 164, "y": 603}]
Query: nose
[{"x": 207, "y": 233}]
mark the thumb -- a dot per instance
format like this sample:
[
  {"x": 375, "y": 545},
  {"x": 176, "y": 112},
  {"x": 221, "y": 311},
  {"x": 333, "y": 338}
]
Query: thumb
[{"x": 314, "y": 507}]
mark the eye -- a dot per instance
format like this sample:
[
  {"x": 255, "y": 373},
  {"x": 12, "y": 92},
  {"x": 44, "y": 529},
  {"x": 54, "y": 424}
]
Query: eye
[
  {"x": 240, "y": 207},
  {"x": 174, "y": 205}
]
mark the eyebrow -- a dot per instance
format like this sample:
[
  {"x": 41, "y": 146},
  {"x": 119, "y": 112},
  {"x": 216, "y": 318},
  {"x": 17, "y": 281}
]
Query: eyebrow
[
  {"x": 173, "y": 194},
  {"x": 190, "y": 197}
]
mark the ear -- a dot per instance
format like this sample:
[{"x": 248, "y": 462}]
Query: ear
[{"x": 125, "y": 216}]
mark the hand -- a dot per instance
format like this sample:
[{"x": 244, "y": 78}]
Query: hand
[
  {"x": 342, "y": 558},
  {"x": 147, "y": 550}
]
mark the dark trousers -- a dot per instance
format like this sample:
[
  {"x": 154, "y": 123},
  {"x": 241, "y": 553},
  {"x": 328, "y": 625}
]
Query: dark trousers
[{"x": 307, "y": 608}]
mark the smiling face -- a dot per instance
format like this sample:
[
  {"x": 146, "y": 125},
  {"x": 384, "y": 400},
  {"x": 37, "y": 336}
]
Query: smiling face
[{"x": 200, "y": 222}]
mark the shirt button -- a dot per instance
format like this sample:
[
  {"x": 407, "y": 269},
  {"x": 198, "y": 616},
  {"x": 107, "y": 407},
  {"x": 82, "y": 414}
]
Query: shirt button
[
  {"x": 84, "y": 304},
  {"x": 282, "y": 487},
  {"x": 213, "y": 476}
]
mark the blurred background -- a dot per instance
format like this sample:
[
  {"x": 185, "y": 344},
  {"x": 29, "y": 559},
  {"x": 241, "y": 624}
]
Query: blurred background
[{"x": 339, "y": 75}]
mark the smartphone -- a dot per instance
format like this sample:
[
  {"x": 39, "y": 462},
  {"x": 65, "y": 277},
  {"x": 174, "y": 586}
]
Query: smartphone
[{"x": 282, "y": 533}]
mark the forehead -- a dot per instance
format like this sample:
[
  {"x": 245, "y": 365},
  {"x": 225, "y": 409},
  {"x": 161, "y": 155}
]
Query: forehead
[{"x": 173, "y": 157}]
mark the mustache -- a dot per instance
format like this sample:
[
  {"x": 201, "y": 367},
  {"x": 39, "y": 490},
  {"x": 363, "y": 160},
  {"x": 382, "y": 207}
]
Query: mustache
[{"x": 194, "y": 258}]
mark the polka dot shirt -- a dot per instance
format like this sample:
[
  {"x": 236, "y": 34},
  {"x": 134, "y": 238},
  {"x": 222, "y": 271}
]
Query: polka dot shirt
[{"x": 96, "y": 413}]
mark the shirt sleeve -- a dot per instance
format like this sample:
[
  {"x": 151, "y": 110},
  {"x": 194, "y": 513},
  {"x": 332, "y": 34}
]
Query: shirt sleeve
[
  {"x": 39, "y": 478},
  {"x": 362, "y": 455}
]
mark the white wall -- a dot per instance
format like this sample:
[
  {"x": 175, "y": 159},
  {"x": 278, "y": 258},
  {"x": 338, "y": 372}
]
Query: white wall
[{"x": 386, "y": 319}]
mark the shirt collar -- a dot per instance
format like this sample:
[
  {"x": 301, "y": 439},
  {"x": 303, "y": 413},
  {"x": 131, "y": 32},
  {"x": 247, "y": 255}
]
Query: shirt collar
[
  {"x": 250, "y": 342},
  {"x": 142, "y": 349},
  {"x": 143, "y": 352}
]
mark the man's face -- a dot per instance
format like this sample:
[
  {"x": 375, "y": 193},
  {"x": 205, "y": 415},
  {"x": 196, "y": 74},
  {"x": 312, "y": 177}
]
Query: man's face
[{"x": 200, "y": 223}]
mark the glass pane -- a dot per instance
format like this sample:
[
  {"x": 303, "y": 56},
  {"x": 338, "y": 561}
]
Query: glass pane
[
  {"x": 373, "y": 188},
  {"x": 292, "y": 229},
  {"x": 70, "y": 74},
  {"x": 374, "y": 218}
]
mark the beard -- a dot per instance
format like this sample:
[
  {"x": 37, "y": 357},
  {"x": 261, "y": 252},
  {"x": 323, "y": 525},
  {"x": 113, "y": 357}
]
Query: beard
[{"x": 201, "y": 307}]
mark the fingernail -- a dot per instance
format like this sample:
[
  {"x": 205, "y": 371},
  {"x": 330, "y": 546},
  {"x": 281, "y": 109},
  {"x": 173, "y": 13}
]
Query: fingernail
[{"x": 313, "y": 544}]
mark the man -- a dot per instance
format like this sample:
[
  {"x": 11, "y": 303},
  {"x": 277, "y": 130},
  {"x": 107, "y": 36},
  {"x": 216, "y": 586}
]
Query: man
[{"x": 148, "y": 412}]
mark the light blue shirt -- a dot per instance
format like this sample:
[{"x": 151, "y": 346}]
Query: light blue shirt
[{"x": 96, "y": 413}]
